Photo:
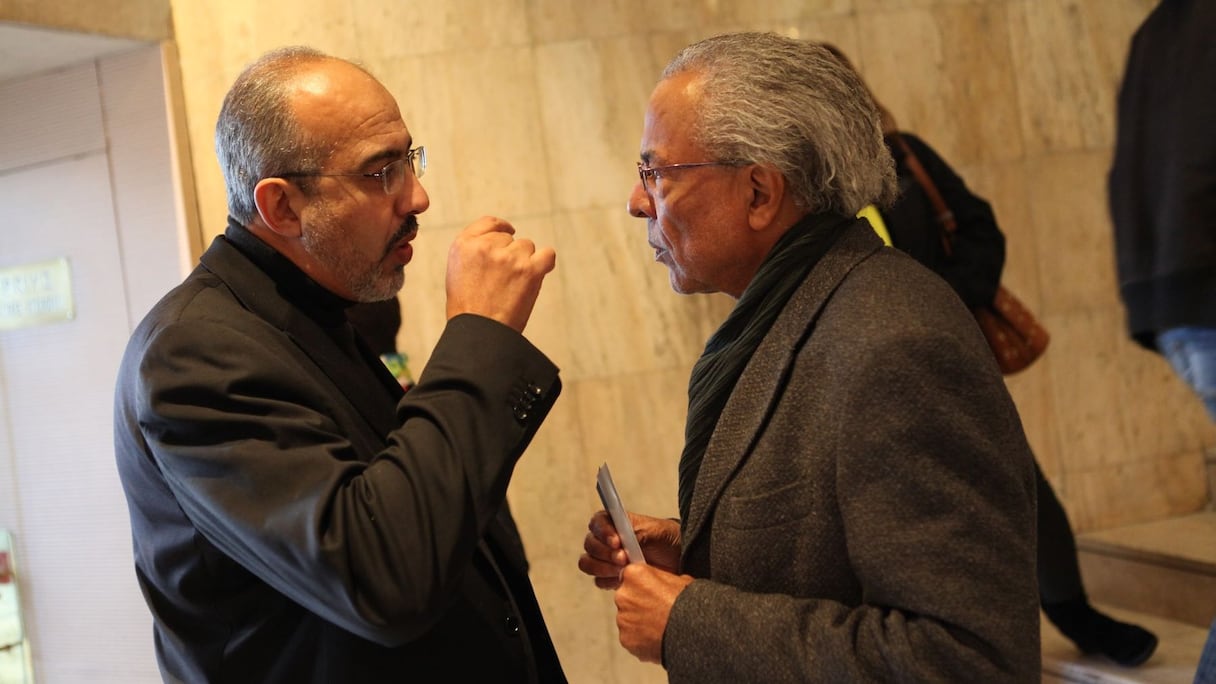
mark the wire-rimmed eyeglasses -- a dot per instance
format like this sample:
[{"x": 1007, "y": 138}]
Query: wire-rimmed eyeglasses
[
  {"x": 649, "y": 174},
  {"x": 392, "y": 176}
]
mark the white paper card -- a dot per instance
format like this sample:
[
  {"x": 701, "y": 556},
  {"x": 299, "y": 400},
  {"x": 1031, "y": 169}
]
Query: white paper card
[{"x": 612, "y": 503}]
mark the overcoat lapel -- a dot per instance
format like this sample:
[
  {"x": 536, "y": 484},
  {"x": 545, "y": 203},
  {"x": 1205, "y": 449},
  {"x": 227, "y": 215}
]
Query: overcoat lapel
[{"x": 754, "y": 397}]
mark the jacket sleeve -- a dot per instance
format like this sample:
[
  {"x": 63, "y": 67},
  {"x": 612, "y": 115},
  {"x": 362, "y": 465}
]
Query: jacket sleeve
[
  {"x": 247, "y": 441},
  {"x": 974, "y": 268}
]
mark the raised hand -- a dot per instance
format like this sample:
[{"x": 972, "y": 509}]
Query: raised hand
[{"x": 493, "y": 274}]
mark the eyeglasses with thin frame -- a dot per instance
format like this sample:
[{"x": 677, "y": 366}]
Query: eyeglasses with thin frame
[
  {"x": 649, "y": 174},
  {"x": 392, "y": 176}
]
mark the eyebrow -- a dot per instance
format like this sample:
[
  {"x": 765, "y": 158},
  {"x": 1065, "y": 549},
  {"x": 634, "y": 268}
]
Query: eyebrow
[{"x": 387, "y": 155}]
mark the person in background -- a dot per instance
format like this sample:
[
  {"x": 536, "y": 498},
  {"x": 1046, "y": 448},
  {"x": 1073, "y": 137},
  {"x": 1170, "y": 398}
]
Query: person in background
[
  {"x": 972, "y": 266},
  {"x": 1162, "y": 190},
  {"x": 856, "y": 493},
  {"x": 296, "y": 516},
  {"x": 1162, "y": 194}
]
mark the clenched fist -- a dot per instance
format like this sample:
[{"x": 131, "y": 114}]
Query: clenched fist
[{"x": 493, "y": 274}]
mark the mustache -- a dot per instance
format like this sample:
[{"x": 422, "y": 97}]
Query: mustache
[{"x": 408, "y": 228}]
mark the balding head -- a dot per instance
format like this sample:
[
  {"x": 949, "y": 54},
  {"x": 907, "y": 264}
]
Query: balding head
[{"x": 258, "y": 133}]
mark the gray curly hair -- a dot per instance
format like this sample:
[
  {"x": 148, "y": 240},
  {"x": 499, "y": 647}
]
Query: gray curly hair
[
  {"x": 257, "y": 135},
  {"x": 791, "y": 104}
]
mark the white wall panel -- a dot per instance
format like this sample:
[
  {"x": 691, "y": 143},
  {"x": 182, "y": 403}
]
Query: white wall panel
[
  {"x": 85, "y": 617},
  {"x": 50, "y": 116},
  {"x": 133, "y": 106},
  {"x": 105, "y": 201}
]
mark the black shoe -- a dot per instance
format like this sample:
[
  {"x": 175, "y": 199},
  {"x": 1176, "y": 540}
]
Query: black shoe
[
  {"x": 1097, "y": 633},
  {"x": 1128, "y": 645}
]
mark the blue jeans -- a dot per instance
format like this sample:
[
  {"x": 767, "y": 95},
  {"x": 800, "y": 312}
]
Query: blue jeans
[
  {"x": 1192, "y": 353},
  {"x": 1206, "y": 673}
]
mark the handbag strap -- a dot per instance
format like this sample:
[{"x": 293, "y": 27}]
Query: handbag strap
[{"x": 944, "y": 216}]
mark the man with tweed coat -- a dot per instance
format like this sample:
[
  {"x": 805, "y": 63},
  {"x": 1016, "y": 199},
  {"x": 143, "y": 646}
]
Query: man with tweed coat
[{"x": 856, "y": 492}]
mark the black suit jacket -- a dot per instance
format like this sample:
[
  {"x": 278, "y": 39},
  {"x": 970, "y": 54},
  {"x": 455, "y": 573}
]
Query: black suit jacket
[{"x": 296, "y": 518}]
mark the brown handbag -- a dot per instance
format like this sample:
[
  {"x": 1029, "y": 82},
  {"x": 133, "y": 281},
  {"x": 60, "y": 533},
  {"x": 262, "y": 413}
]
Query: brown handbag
[{"x": 1014, "y": 334}]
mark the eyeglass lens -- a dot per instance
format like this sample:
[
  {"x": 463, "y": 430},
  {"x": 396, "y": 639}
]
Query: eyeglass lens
[
  {"x": 394, "y": 173},
  {"x": 417, "y": 159}
]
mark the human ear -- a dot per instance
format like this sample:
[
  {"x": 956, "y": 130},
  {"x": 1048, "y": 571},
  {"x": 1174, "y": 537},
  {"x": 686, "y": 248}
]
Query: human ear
[
  {"x": 766, "y": 194},
  {"x": 279, "y": 203}
]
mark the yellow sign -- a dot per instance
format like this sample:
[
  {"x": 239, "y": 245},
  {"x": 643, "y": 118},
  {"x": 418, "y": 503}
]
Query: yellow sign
[{"x": 33, "y": 294}]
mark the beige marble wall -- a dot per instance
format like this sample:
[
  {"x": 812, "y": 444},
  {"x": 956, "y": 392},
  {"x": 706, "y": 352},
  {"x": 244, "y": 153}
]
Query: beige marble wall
[
  {"x": 531, "y": 109},
  {"x": 140, "y": 19}
]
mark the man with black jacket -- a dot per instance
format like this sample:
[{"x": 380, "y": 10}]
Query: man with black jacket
[{"x": 297, "y": 516}]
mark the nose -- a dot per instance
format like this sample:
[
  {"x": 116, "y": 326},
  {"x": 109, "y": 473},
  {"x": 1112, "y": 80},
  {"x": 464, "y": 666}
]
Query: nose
[
  {"x": 414, "y": 196},
  {"x": 639, "y": 204}
]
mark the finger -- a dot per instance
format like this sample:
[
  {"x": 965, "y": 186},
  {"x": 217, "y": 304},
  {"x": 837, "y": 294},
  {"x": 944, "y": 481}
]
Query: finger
[
  {"x": 597, "y": 547},
  {"x": 603, "y": 561},
  {"x": 603, "y": 579},
  {"x": 590, "y": 565},
  {"x": 542, "y": 259},
  {"x": 602, "y": 529},
  {"x": 634, "y": 572},
  {"x": 545, "y": 258},
  {"x": 524, "y": 245},
  {"x": 488, "y": 224},
  {"x": 601, "y": 526},
  {"x": 610, "y": 583}
]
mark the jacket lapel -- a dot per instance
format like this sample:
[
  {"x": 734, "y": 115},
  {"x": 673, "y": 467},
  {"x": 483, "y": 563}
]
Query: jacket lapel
[
  {"x": 754, "y": 397},
  {"x": 259, "y": 293},
  {"x": 355, "y": 378}
]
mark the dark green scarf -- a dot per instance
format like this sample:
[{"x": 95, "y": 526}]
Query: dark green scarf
[{"x": 732, "y": 345}]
